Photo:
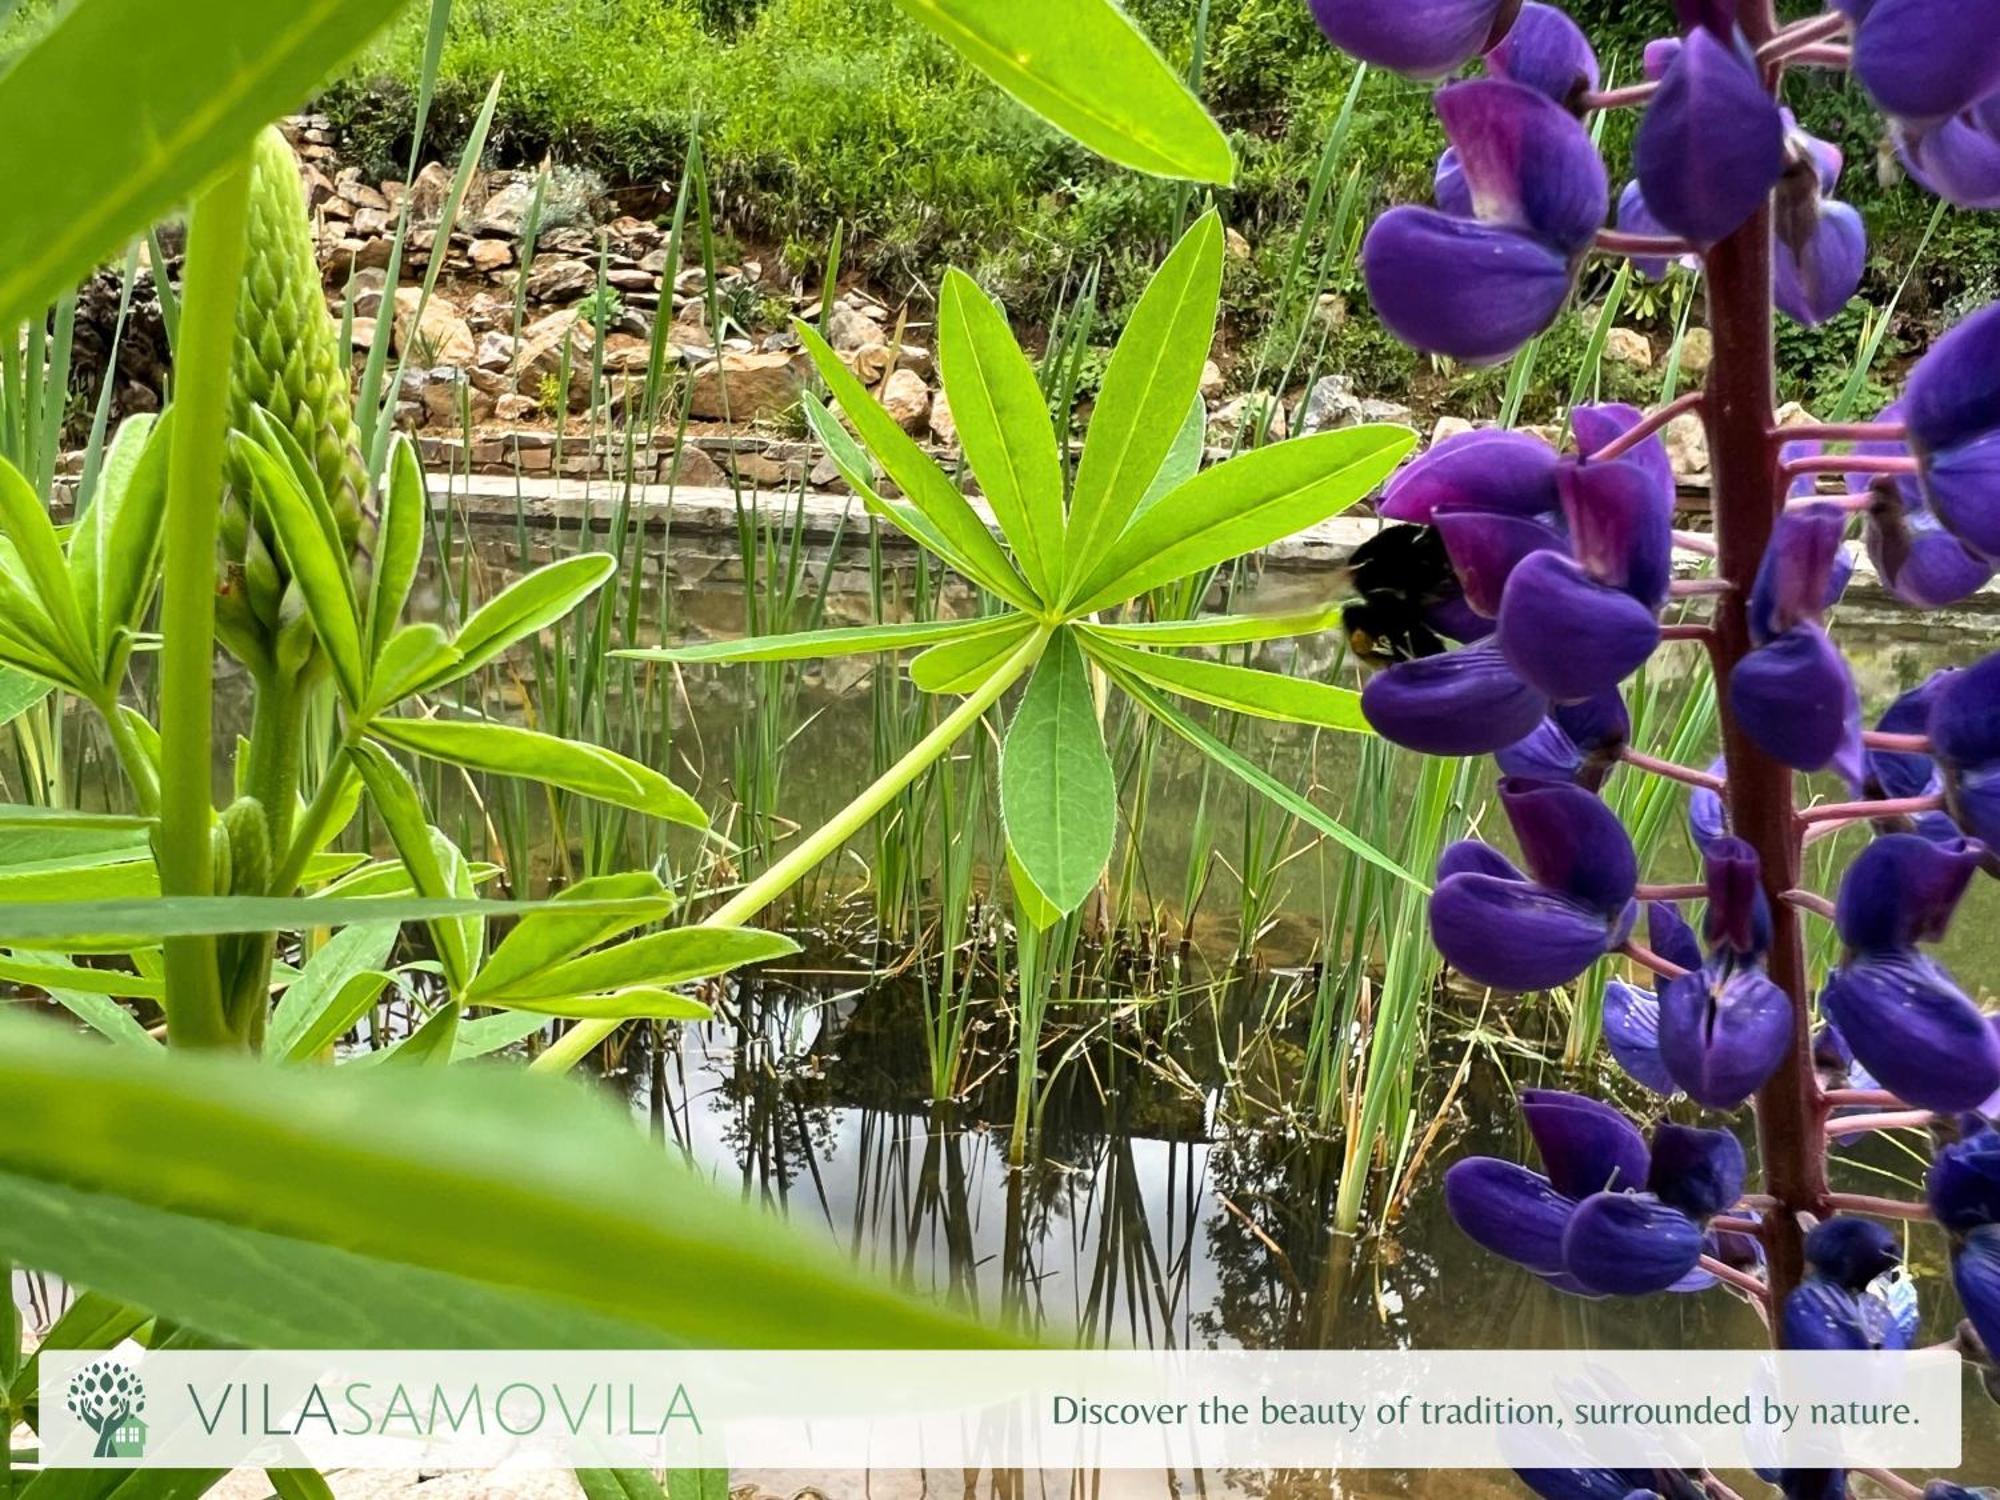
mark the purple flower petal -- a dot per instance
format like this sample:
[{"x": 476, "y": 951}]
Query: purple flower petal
[
  {"x": 1957, "y": 159},
  {"x": 1508, "y": 1210},
  {"x": 1900, "y": 891},
  {"x": 1975, "y": 1271},
  {"x": 1422, "y": 38},
  {"x": 1465, "y": 702},
  {"x": 1632, "y": 1031},
  {"x": 1528, "y": 161},
  {"x": 1621, "y": 525},
  {"x": 1699, "y": 1172},
  {"x": 1596, "y": 426},
  {"x": 1816, "y": 278},
  {"x": 1712, "y": 144},
  {"x": 1626, "y": 1244},
  {"x": 1738, "y": 920},
  {"x": 1964, "y": 1182},
  {"x": 1670, "y": 936},
  {"x": 1924, "y": 59},
  {"x": 1473, "y": 291},
  {"x": 1916, "y": 558},
  {"x": 1723, "y": 1033},
  {"x": 1471, "y": 857},
  {"x": 1586, "y": 1146},
  {"x": 1569, "y": 636},
  {"x": 1796, "y": 700},
  {"x": 1914, "y": 1030},
  {"x": 1635, "y": 218},
  {"x": 1962, "y": 484},
  {"x": 1708, "y": 819},
  {"x": 1820, "y": 1314},
  {"x": 1548, "y": 52},
  {"x": 1852, "y": 1252},
  {"x": 1448, "y": 189},
  {"x": 1485, "y": 546},
  {"x": 1796, "y": 580},
  {"x": 1964, "y": 713},
  {"x": 1907, "y": 773},
  {"x": 1516, "y": 935},
  {"x": 1659, "y": 56},
  {"x": 1490, "y": 470},
  {"x": 1572, "y": 842},
  {"x": 1972, "y": 795},
  {"x": 1953, "y": 394}
]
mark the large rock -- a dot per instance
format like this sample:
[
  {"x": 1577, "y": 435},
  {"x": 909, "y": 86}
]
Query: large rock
[
  {"x": 944, "y": 426},
  {"x": 906, "y": 398},
  {"x": 541, "y": 356},
  {"x": 506, "y": 212},
  {"x": 441, "y": 335},
  {"x": 847, "y": 329},
  {"x": 558, "y": 281},
  {"x": 746, "y": 387},
  {"x": 1697, "y": 353},
  {"x": 1687, "y": 447},
  {"x": 428, "y": 192},
  {"x": 1628, "y": 346},
  {"x": 1331, "y": 404}
]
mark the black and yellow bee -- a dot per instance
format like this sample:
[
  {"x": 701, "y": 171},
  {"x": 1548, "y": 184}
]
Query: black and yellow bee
[{"x": 1403, "y": 581}]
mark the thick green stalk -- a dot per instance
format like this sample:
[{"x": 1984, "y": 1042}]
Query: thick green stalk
[
  {"x": 311, "y": 828},
  {"x": 825, "y": 841},
  {"x": 277, "y": 746},
  {"x": 187, "y": 606}
]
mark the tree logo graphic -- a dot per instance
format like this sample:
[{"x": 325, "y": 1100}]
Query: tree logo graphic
[{"x": 107, "y": 1396}]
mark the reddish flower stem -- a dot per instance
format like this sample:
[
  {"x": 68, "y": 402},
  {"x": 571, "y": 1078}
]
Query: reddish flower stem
[
  {"x": 1695, "y": 541},
  {"x": 1811, "y": 901},
  {"x": 1646, "y": 958},
  {"x": 1743, "y": 1281},
  {"x": 1850, "y": 463},
  {"x": 1897, "y": 1119},
  {"x": 1846, "y": 432},
  {"x": 1666, "y": 247},
  {"x": 1625, "y": 98},
  {"x": 1685, "y": 633},
  {"x": 1742, "y": 421},
  {"x": 1698, "y": 588},
  {"x": 1839, "y": 502},
  {"x": 1652, "y": 422},
  {"x": 1895, "y": 1484},
  {"x": 1822, "y": 57},
  {"x": 1802, "y": 34},
  {"x": 1671, "y": 892},
  {"x": 1672, "y": 770},
  {"x": 1915, "y": 744},
  {"x": 1884, "y": 807},
  {"x": 1870, "y": 1098},
  {"x": 1882, "y": 1208},
  {"x": 1728, "y": 1225}
]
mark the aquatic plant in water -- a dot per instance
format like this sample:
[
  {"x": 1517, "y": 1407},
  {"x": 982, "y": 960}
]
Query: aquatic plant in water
[{"x": 1570, "y": 560}]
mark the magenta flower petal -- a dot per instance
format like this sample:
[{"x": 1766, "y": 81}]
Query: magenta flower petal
[
  {"x": 1900, "y": 891},
  {"x": 1465, "y": 702},
  {"x": 1957, "y": 159},
  {"x": 1964, "y": 1182},
  {"x": 1473, "y": 291},
  {"x": 1626, "y": 1244},
  {"x": 1568, "y": 636},
  {"x": 1632, "y": 1031},
  {"x": 1924, "y": 59},
  {"x": 1699, "y": 1172},
  {"x": 1800, "y": 577},
  {"x": 1621, "y": 524},
  {"x": 1586, "y": 1146},
  {"x": 1485, "y": 547},
  {"x": 1723, "y": 1033},
  {"x": 1795, "y": 697},
  {"x": 1421, "y": 38},
  {"x": 1492, "y": 470},
  {"x": 1516, "y": 935},
  {"x": 1529, "y": 163},
  {"x": 1712, "y": 144},
  {"x": 1975, "y": 1271},
  {"x": 1817, "y": 277},
  {"x": 1572, "y": 842},
  {"x": 1508, "y": 1210},
  {"x": 1914, "y": 1030},
  {"x": 1548, "y": 52}
]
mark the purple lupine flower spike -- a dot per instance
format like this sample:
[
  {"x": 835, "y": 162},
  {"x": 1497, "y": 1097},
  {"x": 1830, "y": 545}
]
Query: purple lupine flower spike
[
  {"x": 1905, "y": 1019},
  {"x": 1509, "y": 472},
  {"x": 1920, "y": 562},
  {"x": 1420, "y": 38},
  {"x": 1632, "y": 1015},
  {"x": 1964, "y": 1182},
  {"x": 1964, "y": 725},
  {"x": 1548, "y": 52},
  {"x": 1712, "y": 144},
  {"x": 1926, "y": 59},
  {"x": 1516, "y": 931},
  {"x": 1478, "y": 288},
  {"x": 1909, "y": 773},
  {"x": 1952, "y": 407},
  {"x": 1466, "y": 702},
  {"x": 1975, "y": 1271},
  {"x": 1833, "y": 1309},
  {"x": 1726, "y": 1026},
  {"x": 1821, "y": 244},
  {"x": 1794, "y": 694},
  {"x": 1577, "y": 742},
  {"x": 1957, "y": 159}
]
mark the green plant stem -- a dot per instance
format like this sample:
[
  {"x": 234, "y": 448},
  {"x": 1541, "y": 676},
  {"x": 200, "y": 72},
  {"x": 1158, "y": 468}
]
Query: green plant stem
[
  {"x": 132, "y": 756},
  {"x": 187, "y": 608},
  {"x": 311, "y": 828},
  {"x": 577, "y": 1042},
  {"x": 277, "y": 736}
]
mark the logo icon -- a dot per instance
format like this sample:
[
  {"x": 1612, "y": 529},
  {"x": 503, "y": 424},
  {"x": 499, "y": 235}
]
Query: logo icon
[{"x": 107, "y": 1396}]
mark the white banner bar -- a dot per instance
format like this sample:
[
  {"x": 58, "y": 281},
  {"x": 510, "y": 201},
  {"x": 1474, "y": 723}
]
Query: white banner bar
[{"x": 777, "y": 1409}]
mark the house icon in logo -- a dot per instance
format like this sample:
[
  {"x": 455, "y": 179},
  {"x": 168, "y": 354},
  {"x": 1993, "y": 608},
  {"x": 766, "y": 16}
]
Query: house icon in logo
[{"x": 107, "y": 1396}]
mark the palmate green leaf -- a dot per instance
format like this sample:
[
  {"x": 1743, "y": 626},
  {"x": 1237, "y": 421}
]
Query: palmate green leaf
[
  {"x": 525, "y": 607},
  {"x": 44, "y": 568},
  {"x": 654, "y": 961},
  {"x": 412, "y": 656},
  {"x": 19, "y": 693},
  {"x": 107, "y": 1018},
  {"x": 1251, "y": 501},
  {"x": 1183, "y": 460},
  {"x": 1086, "y": 69},
  {"x": 858, "y": 469},
  {"x": 20, "y": 817},
  {"x": 1030, "y": 905},
  {"x": 640, "y": 1003},
  {"x": 1143, "y": 404},
  {"x": 1004, "y": 427},
  {"x": 553, "y": 934},
  {"x": 349, "y": 952},
  {"x": 309, "y": 540},
  {"x": 46, "y": 974},
  {"x": 112, "y": 119},
  {"x": 922, "y": 482},
  {"x": 1243, "y": 690},
  {"x": 1058, "y": 798},
  {"x": 431, "y": 1045},
  {"x": 114, "y": 550},
  {"x": 507, "y": 750},
  {"x": 396, "y": 799},
  {"x": 371, "y": 1208},
  {"x": 1165, "y": 712},
  {"x": 960, "y": 666},
  {"x": 342, "y": 1011},
  {"x": 811, "y": 645},
  {"x": 399, "y": 543},
  {"x": 90, "y": 1321},
  {"x": 1219, "y": 630}
]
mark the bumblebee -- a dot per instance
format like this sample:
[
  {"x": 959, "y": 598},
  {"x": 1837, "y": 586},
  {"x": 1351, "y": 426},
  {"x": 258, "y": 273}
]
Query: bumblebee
[{"x": 1404, "y": 585}]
